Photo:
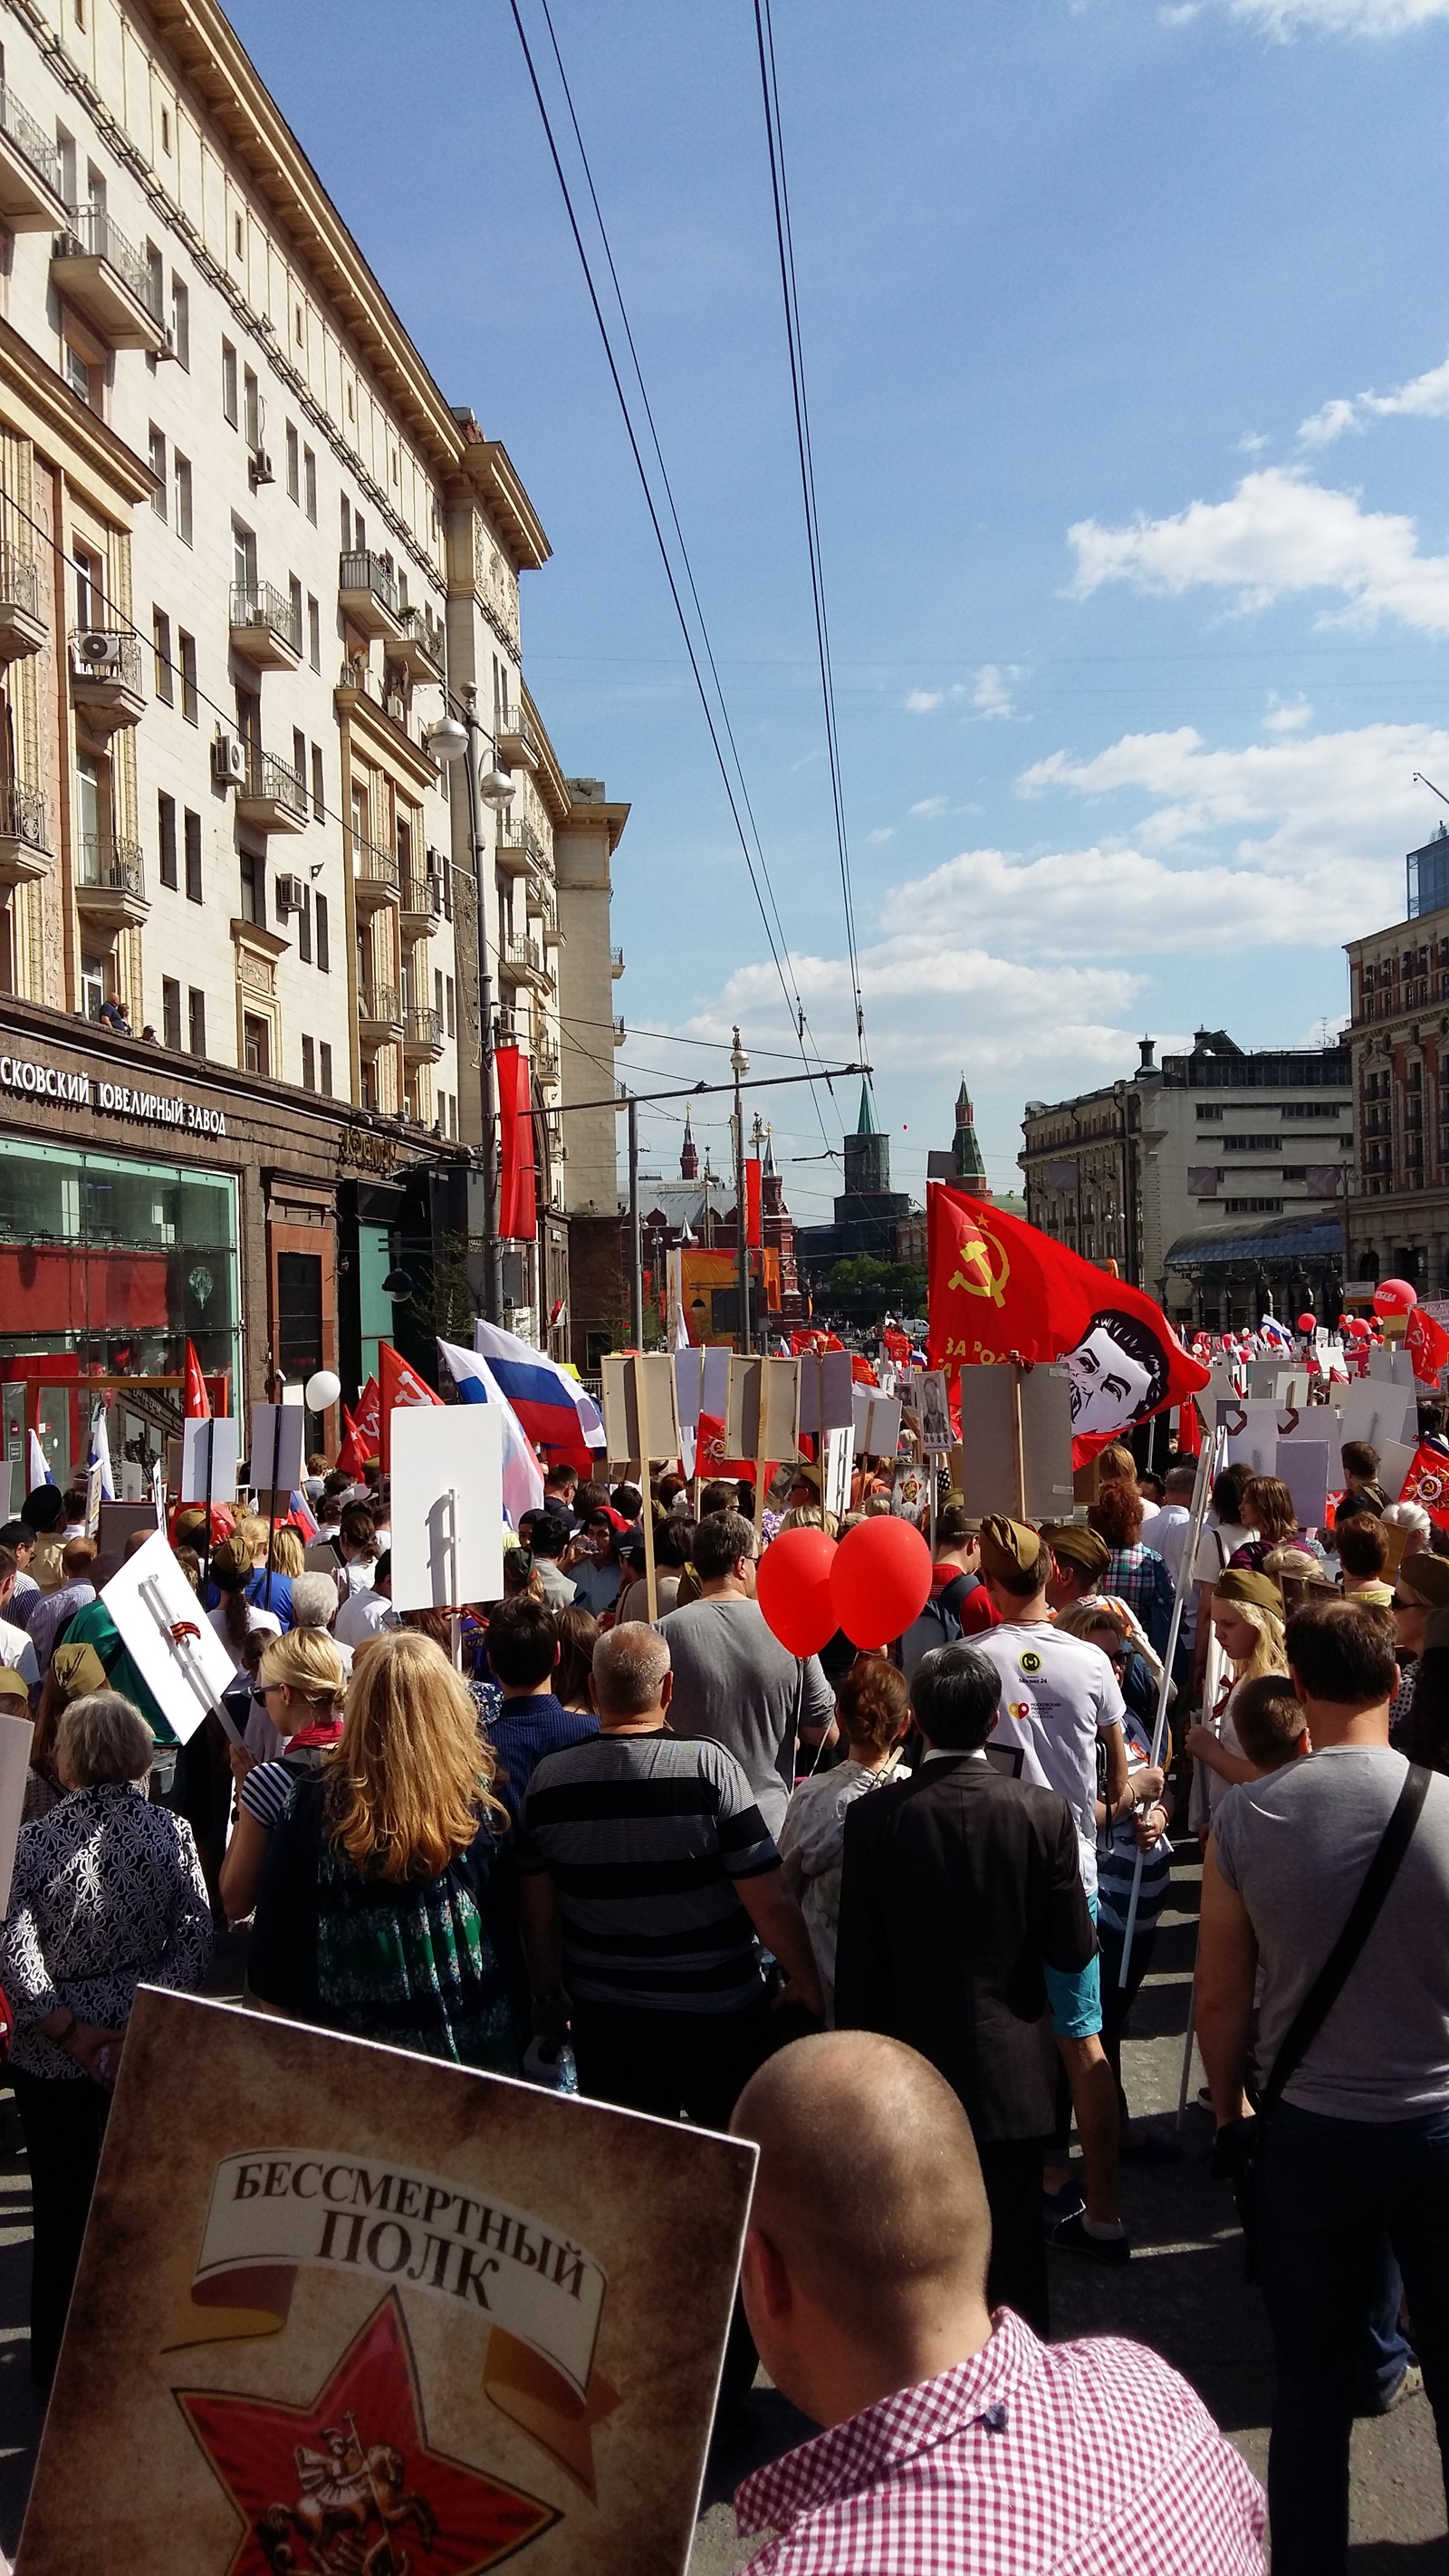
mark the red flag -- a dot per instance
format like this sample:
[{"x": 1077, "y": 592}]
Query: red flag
[
  {"x": 352, "y": 1456},
  {"x": 367, "y": 1421},
  {"x": 897, "y": 1349},
  {"x": 1427, "y": 1344},
  {"x": 1001, "y": 1289},
  {"x": 517, "y": 1204},
  {"x": 401, "y": 1385},
  {"x": 861, "y": 1372},
  {"x": 710, "y": 1459},
  {"x": 195, "y": 1402},
  {"x": 1427, "y": 1483},
  {"x": 754, "y": 1221},
  {"x": 1189, "y": 1431}
]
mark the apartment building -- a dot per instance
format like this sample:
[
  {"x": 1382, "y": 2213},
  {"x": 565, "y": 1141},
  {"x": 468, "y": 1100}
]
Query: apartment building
[
  {"x": 247, "y": 549},
  {"x": 1398, "y": 1039},
  {"x": 1216, "y": 1180}
]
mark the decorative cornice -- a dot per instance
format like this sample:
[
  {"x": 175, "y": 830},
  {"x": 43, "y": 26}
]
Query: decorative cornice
[
  {"x": 79, "y": 433},
  {"x": 382, "y": 736}
]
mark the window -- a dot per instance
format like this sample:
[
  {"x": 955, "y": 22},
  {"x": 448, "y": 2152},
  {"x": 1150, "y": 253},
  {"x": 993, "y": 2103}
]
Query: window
[
  {"x": 77, "y": 372},
  {"x": 319, "y": 786},
  {"x": 93, "y": 986},
  {"x": 180, "y": 320},
  {"x": 192, "y": 829},
  {"x": 324, "y": 1053},
  {"x": 253, "y": 891},
  {"x": 171, "y": 1013},
  {"x": 196, "y": 1021},
  {"x": 166, "y": 840},
  {"x": 359, "y": 532},
  {"x": 294, "y": 593},
  {"x": 452, "y": 993},
  {"x": 324, "y": 967},
  {"x": 351, "y": 413},
  {"x": 256, "y": 1041},
  {"x": 156, "y": 281},
  {"x": 309, "y": 1065},
  {"x": 239, "y": 237},
  {"x": 299, "y": 324},
  {"x": 161, "y": 639},
  {"x": 1251, "y": 1144},
  {"x": 294, "y": 463},
  {"x": 314, "y": 633},
  {"x": 309, "y": 483},
  {"x": 228, "y": 383},
  {"x": 186, "y": 647},
  {"x": 165, "y": 129},
  {"x": 394, "y": 465},
  {"x": 65, "y": 152},
  {"x": 181, "y": 479},
  {"x": 346, "y": 525},
  {"x": 299, "y": 758},
  {"x": 243, "y": 556},
  {"x": 90, "y": 595},
  {"x": 251, "y": 410},
  {"x": 304, "y": 930},
  {"x": 80, "y": 14},
  {"x": 359, "y": 823},
  {"x": 156, "y": 452}
]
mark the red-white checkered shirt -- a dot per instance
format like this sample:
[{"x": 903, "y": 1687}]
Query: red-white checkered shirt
[{"x": 1085, "y": 2459}]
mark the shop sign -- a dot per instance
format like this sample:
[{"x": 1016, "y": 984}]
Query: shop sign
[{"x": 117, "y": 1099}]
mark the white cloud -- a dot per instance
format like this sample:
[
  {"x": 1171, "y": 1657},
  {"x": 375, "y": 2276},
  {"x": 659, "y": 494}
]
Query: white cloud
[
  {"x": 992, "y": 696},
  {"x": 1425, "y": 397},
  {"x": 1285, "y": 18},
  {"x": 929, "y": 806},
  {"x": 1286, "y": 715},
  {"x": 882, "y": 832},
  {"x": 1280, "y": 533},
  {"x": 924, "y": 702}
]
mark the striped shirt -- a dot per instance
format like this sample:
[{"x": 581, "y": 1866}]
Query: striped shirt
[{"x": 644, "y": 1837}]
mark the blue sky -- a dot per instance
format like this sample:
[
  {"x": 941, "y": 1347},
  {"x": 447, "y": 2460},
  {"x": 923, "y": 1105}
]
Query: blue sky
[{"x": 1126, "y": 329}]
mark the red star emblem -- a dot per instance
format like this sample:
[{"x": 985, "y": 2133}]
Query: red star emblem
[{"x": 350, "y": 2486}]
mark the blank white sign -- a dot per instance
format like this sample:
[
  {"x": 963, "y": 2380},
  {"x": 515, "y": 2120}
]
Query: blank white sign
[{"x": 447, "y": 1505}]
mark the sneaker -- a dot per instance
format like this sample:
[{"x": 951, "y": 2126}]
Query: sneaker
[
  {"x": 1072, "y": 2237},
  {"x": 1057, "y": 2205},
  {"x": 1409, "y": 2384}
]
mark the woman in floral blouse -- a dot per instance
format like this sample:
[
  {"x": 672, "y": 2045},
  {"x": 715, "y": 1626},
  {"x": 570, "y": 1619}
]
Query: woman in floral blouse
[{"x": 107, "y": 1895}]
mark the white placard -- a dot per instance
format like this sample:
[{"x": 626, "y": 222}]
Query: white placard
[
  {"x": 1303, "y": 1467},
  {"x": 715, "y": 1381},
  {"x": 1390, "y": 1365},
  {"x": 15, "y": 1736},
  {"x": 1396, "y": 1457},
  {"x": 877, "y": 1423},
  {"x": 1251, "y": 1424},
  {"x": 95, "y": 1486},
  {"x": 133, "y": 1481},
  {"x": 1379, "y": 1413},
  {"x": 447, "y": 1506},
  {"x": 839, "y": 1459},
  {"x": 827, "y": 1392},
  {"x": 278, "y": 1434},
  {"x": 169, "y": 1638},
  {"x": 688, "y": 1386},
  {"x": 208, "y": 1461},
  {"x": 937, "y": 1436}
]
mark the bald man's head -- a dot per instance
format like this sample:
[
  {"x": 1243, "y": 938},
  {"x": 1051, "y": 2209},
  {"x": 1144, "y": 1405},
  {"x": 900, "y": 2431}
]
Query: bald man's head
[{"x": 869, "y": 2186}]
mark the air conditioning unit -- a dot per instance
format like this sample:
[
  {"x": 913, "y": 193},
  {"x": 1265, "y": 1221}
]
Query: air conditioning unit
[
  {"x": 229, "y": 760},
  {"x": 291, "y": 894},
  {"x": 98, "y": 656},
  {"x": 259, "y": 471},
  {"x": 398, "y": 709},
  {"x": 168, "y": 345}
]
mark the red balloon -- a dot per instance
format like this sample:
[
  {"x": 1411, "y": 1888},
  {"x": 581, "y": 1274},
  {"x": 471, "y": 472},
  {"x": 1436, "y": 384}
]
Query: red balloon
[
  {"x": 1360, "y": 1329},
  {"x": 1308, "y": 1323},
  {"x": 1394, "y": 1297},
  {"x": 881, "y": 1581},
  {"x": 792, "y": 1587}
]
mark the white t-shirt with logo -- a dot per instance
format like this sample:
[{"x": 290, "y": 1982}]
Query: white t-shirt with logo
[{"x": 1056, "y": 1692}]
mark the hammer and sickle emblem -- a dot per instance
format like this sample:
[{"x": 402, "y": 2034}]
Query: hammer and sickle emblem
[{"x": 976, "y": 1278}]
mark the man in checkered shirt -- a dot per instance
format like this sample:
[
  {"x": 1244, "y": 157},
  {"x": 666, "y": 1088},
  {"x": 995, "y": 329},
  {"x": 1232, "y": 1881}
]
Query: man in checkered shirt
[{"x": 956, "y": 2444}]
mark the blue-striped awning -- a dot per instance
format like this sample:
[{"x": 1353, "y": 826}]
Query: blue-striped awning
[{"x": 1289, "y": 1238}]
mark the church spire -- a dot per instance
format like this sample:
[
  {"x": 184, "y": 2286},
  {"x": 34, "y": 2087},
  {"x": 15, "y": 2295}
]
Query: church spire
[
  {"x": 865, "y": 1124},
  {"x": 689, "y": 1156},
  {"x": 968, "y": 1162}
]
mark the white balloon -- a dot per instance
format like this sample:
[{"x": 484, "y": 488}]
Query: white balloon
[{"x": 322, "y": 1389}]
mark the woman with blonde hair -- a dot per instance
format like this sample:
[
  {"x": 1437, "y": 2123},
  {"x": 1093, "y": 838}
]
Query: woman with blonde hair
[
  {"x": 1247, "y": 1617},
  {"x": 370, "y": 1916},
  {"x": 300, "y": 1683},
  {"x": 289, "y": 1556}
]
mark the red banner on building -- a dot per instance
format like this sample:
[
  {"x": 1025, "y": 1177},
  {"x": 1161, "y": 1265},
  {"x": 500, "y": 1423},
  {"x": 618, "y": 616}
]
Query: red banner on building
[
  {"x": 517, "y": 1201},
  {"x": 754, "y": 1203}
]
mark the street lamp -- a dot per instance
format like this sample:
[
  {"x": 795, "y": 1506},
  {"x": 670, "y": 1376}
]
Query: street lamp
[
  {"x": 456, "y": 737},
  {"x": 739, "y": 1067}
]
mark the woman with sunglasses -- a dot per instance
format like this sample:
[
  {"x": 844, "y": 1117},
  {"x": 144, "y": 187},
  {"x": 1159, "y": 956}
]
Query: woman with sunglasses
[{"x": 300, "y": 1682}]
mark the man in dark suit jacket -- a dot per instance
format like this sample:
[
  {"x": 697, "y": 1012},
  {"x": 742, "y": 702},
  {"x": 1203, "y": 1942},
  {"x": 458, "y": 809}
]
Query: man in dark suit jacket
[{"x": 955, "y": 1892}]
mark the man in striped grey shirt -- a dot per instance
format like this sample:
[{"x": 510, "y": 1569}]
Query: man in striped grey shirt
[{"x": 648, "y": 1879}]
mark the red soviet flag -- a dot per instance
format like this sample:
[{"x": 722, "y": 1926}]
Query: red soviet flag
[
  {"x": 352, "y": 1456},
  {"x": 1427, "y": 1483},
  {"x": 1425, "y": 1340},
  {"x": 367, "y": 1420},
  {"x": 754, "y": 1203},
  {"x": 1001, "y": 1289},
  {"x": 401, "y": 1385},
  {"x": 517, "y": 1200},
  {"x": 195, "y": 1402}
]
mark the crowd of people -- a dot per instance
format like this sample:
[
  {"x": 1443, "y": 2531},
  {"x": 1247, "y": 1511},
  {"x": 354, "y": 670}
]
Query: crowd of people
[{"x": 871, "y": 1909}]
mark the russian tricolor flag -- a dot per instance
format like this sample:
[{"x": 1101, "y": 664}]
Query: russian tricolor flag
[
  {"x": 558, "y": 1417},
  {"x": 522, "y": 1474}
]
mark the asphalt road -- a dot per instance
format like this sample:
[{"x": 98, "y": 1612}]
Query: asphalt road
[{"x": 1183, "y": 2293}]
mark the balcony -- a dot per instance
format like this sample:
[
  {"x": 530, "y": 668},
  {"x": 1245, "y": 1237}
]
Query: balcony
[
  {"x": 379, "y": 1014},
  {"x": 515, "y": 737},
  {"x": 620, "y": 1033},
  {"x": 422, "y": 1036},
  {"x": 545, "y": 1061},
  {"x": 421, "y": 897},
  {"x": 106, "y": 686},
  {"x": 30, "y": 198},
  {"x": 265, "y": 626},
  {"x": 417, "y": 646},
  {"x": 616, "y": 963},
  {"x": 24, "y": 835},
  {"x": 374, "y": 877},
  {"x": 23, "y": 628},
  {"x": 521, "y": 961},
  {"x": 519, "y": 849},
  {"x": 110, "y": 881},
  {"x": 105, "y": 277},
  {"x": 273, "y": 796},
  {"x": 367, "y": 596}
]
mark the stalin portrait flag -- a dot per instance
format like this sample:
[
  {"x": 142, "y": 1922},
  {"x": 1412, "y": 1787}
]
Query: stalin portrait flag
[{"x": 1001, "y": 1290}]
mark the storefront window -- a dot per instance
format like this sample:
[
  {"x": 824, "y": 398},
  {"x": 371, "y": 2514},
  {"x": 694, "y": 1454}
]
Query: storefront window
[{"x": 119, "y": 1261}]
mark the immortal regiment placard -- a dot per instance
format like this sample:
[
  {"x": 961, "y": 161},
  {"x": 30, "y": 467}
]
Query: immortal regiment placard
[{"x": 344, "y": 2311}]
